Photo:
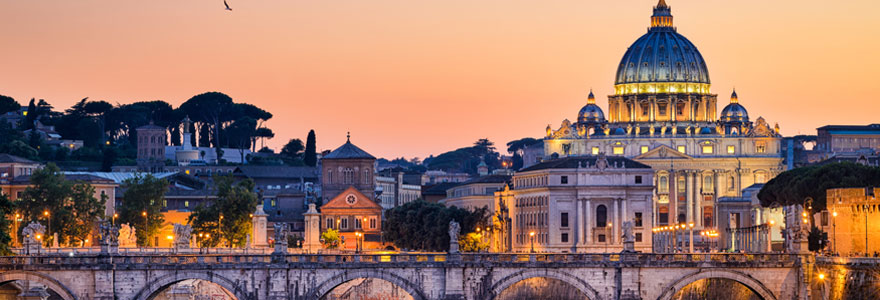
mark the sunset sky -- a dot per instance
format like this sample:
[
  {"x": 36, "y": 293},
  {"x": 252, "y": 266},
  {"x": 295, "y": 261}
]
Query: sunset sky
[{"x": 413, "y": 78}]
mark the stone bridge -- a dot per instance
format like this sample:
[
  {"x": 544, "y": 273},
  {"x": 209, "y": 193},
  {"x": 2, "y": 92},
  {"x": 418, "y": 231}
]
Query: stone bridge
[{"x": 423, "y": 276}]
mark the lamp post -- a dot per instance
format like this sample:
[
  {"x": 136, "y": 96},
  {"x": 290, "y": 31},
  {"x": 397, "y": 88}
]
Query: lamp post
[
  {"x": 48, "y": 223},
  {"x": 15, "y": 224},
  {"x": 532, "y": 238},
  {"x": 607, "y": 235},
  {"x": 146, "y": 237},
  {"x": 357, "y": 242},
  {"x": 113, "y": 219},
  {"x": 834, "y": 231},
  {"x": 691, "y": 241}
]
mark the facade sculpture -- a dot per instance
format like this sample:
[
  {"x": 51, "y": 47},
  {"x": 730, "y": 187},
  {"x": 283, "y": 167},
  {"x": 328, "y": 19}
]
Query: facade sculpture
[{"x": 281, "y": 232}]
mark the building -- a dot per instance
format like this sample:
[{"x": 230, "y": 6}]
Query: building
[
  {"x": 435, "y": 193},
  {"x": 103, "y": 188},
  {"x": 279, "y": 177},
  {"x": 394, "y": 190},
  {"x": 576, "y": 204},
  {"x": 438, "y": 176},
  {"x": 743, "y": 219},
  {"x": 662, "y": 114},
  {"x": 347, "y": 166},
  {"x": 357, "y": 217},
  {"x": 151, "y": 148},
  {"x": 851, "y": 221},
  {"x": 12, "y": 166},
  {"x": 476, "y": 193},
  {"x": 52, "y": 137},
  {"x": 848, "y": 138}
]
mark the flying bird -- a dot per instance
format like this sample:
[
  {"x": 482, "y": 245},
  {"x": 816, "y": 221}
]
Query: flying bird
[{"x": 227, "y": 5}]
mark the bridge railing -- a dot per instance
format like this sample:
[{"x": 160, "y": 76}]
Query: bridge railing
[
  {"x": 141, "y": 251},
  {"x": 646, "y": 259}
]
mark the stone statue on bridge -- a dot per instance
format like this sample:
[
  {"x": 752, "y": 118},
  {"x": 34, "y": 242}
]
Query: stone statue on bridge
[
  {"x": 109, "y": 238},
  {"x": 281, "y": 233},
  {"x": 127, "y": 236},
  {"x": 454, "y": 231},
  {"x": 628, "y": 237},
  {"x": 182, "y": 236},
  {"x": 32, "y": 236}
]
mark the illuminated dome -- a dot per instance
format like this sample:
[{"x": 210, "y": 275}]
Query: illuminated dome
[
  {"x": 734, "y": 112},
  {"x": 662, "y": 61},
  {"x": 591, "y": 113}
]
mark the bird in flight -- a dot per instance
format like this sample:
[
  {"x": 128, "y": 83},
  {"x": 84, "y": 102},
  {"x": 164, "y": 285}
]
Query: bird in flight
[{"x": 227, "y": 5}]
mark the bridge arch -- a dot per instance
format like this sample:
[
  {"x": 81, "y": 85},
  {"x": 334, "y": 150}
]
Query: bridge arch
[
  {"x": 159, "y": 284},
  {"x": 504, "y": 283},
  {"x": 740, "y": 277},
  {"x": 40, "y": 278},
  {"x": 346, "y": 276}
]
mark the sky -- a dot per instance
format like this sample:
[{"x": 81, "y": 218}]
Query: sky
[{"x": 414, "y": 78}]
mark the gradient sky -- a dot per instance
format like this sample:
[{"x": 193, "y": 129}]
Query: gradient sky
[{"x": 413, "y": 78}]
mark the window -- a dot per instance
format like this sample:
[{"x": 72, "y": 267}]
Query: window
[
  {"x": 638, "y": 219},
  {"x": 595, "y": 151},
  {"x": 329, "y": 176},
  {"x": 681, "y": 185},
  {"x": 601, "y": 238},
  {"x": 563, "y": 179},
  {"x": 708, "y": 149},
  {"x": 563, "y": 220},
  {"x": 731, "y": 149},
  {"x": 708, "y": 217},
  {"x": 680, "y": 149},
  {"x": 273, "y": 203},
  {"x": 348, "y": 177},
  {"x": 761, "y": 147},
  {"x": 731, "y": 183},
  {"x": 644, "y": 149},
  {"x": 638, "y": 179},
  {"x": 329, "y": 223},
  {"x": 373, "y": 223},
  {"x": 601, "y": 216},
  {"x": 618, "y": 151},
  {"x": 708, "y": 184},
  {"x": 645, "y": 109},
  {"x": 343, "y": 224},
  {"x": 663, "y": 215},
  {"x": 760, "y": 177},
  {"x": 663, "y": 185},
  {"x": 186, "y": 203},
  {"x": 661, "y": 109},
  {"x": 164, "y": 203},
  {"x": 357, "y": 223},
  {"x": 565, "y": 238},
  {"x": 680, "y": 108},
  {"x": 638, "y": 237}
]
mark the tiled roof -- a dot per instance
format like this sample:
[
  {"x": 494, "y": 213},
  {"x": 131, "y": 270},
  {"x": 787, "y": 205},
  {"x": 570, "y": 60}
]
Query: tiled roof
[
  {"x": 9, "y": 158},
  {"x": 92, "y": 179},
  {"x": 277, "y": 172},
  {"x": 438, "y": 189},
  {"x": 348, "y": 151}
]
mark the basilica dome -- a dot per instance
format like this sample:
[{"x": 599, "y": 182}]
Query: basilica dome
[
  {"x": 734, "y": 112},
  {"x": 663, "y": 56},
  {"x": 591, "y": 113}
]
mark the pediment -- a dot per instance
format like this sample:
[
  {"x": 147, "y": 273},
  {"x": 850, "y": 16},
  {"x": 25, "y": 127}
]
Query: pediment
[
  {"x": 663, "y": 152},
  {"x": 350, "y": 198}
]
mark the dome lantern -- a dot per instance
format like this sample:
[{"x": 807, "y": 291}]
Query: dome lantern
[
  {"x": 591, "y": 99},
  {"x": 733, "y": 97},
  {"x": 662, "y": 15}
]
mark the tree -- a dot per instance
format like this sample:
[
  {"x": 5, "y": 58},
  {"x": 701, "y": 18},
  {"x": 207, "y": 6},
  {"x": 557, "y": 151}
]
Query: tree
[
  {"x": 8, "y": 104},
  {"x": 330, "y": 238},
  {"x": 421, "y": 225},
  {"x": 263, "y": 134},
  {"x": 292, "y": 150},
  {"x": 209, "y": 109},
  {"x": 19, "y": 148},
  {"x": 70, "y": 208},
  {"x": 796, "y": 185},
  {"x": 311, "y": 156},
  {"x": 142, "y": 205},
  {"x": 229, "y": 218},
  {"x": 472, "y": 242},
  {"x": 7, "y": 209},
  {"x": 110, "y": 155},
  {"x": 30, "y": 115},
  {"x": 516, "y": 148}
]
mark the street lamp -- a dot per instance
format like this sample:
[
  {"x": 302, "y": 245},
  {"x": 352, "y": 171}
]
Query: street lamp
[
  {"x": 532, "y": 238},
  {"x": 834, "y": 232},
  {"x": 357, "y": 242},
  {"x": 147, "y": 242},
  {"x": 48, "y": 222},
  {"x": 607, "y": 235},
  {"x": 113, "y": 219}
]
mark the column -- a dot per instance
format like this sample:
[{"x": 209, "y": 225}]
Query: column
[
  {"x": 614, "y": 223},
  {"x": 580, "y": 222},
  {"x": 673, "y": 193},
  {"x": 698, "y": 191},
  {"x": 690, "y": 196},
  {"x": 589, "y": 223},
  {"x": 623, "y": 216}
]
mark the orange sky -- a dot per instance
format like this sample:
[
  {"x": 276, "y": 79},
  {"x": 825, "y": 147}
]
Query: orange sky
[{"x": 412, "y": 78}]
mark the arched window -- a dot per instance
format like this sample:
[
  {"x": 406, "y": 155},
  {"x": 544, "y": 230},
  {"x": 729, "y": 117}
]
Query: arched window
[
  {"x": 731, "y": 183},
  {"x": 663, "y": 186},
  {"x": 329, "y": 175},
  {"x": 347, "y": 176},
  {"x": 708, "y": 185},
  {"x": 601, "y": 216},
  {"x": 366, "y": 178}
]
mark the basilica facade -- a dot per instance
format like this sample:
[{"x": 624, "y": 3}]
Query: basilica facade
[{"x": 664, "y": 115}]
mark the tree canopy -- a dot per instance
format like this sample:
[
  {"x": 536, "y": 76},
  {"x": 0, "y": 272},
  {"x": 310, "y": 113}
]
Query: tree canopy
[
  {"x": 229, "y": 217},
  {"x": 421, "y": 225},
  {"x": 796, "y": 185},
  {"x": 142, "y": 206},
  {"x": 310, "y": 157},
  {"x": 8, "y": 104},
  {"x": 466, "y": 159}
]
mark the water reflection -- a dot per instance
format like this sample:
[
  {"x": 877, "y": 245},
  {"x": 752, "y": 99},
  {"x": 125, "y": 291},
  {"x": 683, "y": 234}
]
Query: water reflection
[
  {"x": 715, "y": 288},
  {"x": 367, "y": 289},
  {"x": 541, "y": 288}
]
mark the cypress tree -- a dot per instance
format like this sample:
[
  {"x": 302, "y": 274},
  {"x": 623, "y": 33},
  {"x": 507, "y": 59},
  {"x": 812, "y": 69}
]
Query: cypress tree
[{"x": 310, "y": 157}]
